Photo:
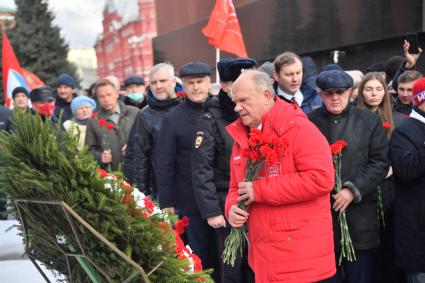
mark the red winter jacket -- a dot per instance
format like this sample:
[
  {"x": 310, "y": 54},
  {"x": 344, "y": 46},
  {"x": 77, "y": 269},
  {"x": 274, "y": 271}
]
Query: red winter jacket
[{"x": 290, "y": 223}]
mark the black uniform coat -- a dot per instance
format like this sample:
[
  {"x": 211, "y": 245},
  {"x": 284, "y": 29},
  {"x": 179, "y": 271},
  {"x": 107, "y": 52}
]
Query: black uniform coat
[
  {"x": 176, "y": 141},
  {"x": 210, "y": 159},
  {"x": 140, "y": 160},
  {"x": 407, "y": 153},
  {"x": 365, "y": 164}
]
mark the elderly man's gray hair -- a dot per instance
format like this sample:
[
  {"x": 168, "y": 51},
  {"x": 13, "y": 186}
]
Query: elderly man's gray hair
[
  {"x": 167, "y": 66},
  {"x": 263, "y": 82}
]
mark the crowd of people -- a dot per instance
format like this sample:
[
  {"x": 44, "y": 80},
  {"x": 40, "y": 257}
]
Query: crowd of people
[{"x": 183, "y": 146}]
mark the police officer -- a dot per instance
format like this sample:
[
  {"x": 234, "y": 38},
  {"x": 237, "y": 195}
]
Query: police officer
[
  {"x": 210, "y": 161},
  {"x": 175, "y": 144}
]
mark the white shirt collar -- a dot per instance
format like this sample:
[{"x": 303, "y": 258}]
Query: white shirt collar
[
  {"x": 417, "y": 116},
  {"x": 299, "y": 97}
]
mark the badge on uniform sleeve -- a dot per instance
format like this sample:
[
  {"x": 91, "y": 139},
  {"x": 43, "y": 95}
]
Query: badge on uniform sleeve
[{"x": 199, "y": 139}]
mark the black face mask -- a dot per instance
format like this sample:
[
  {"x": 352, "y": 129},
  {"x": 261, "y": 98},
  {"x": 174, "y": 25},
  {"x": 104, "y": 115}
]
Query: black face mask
[{"x": 228, "y": 106}]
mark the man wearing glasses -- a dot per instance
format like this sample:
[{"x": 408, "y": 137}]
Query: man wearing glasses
[{"x": 364, "y": 167}]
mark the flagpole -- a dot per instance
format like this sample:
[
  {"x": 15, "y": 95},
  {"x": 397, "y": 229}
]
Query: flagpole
[{"x": 217, "y": 58}]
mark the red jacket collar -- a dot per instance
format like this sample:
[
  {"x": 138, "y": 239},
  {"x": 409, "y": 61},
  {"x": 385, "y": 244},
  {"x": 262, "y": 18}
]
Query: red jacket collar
[{"x": 279, "y": 120}]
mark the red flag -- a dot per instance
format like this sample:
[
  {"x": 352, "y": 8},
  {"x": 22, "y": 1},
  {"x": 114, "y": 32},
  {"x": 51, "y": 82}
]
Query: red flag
[
  {"x": 13, "y": 74},
  {"x": 223, "y": 29}
]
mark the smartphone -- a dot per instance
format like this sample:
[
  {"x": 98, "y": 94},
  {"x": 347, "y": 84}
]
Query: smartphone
[
  {"x": 412, "y": 38},
  {"x": 337, "y": 56}
]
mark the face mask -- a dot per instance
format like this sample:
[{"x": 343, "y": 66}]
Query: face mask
[
  {"x": 135, "y": 96},
  {"x": 46, "y": 109}
]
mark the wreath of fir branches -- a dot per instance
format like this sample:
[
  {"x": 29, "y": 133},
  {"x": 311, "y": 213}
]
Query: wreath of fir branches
[{"x": 39, "y": 161}]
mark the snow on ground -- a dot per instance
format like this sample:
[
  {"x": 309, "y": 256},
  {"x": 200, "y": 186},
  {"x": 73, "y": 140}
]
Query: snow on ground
[{"x": 14, "y": 268}]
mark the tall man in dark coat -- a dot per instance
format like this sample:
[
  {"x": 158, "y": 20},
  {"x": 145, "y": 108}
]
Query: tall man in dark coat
[
  {"x": 211, "y": 160},
  {"x": 140, "y": 160},
  {"x": 174, "y": 174},
  {"x": 364, "y": 167},
  {"x": 407, "y": 151}
]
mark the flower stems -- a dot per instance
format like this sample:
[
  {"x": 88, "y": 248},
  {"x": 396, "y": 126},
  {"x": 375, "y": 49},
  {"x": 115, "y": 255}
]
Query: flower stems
[{"x": 380, "y": 207}]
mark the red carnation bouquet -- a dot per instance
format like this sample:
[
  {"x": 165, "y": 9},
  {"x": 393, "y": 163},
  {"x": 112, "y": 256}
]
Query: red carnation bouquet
[
  {"x": 347, "y": 249},
  {"x": 262, "y": 149},
  {"x": 105, "y": 144}
]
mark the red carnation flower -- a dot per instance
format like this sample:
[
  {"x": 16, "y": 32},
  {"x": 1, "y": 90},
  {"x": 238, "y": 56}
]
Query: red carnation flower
[
  {"x": 149, "y": 205},
  {"x": 101, "y": 122},
  {"x": 386, "y": 125},
  {"x": 94, "y": 115},
  {"x": 181, "y": 225},
  {"x": 197, "y": 263},
  {"x": 180, "y": 93},
  {"x": 110, "y": 126},
  {"x": 102, "y": 173},
  {"x": 337, "y": 147}
]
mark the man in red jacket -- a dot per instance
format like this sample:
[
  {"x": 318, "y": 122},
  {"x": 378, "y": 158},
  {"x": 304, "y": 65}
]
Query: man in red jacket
[{"x": 289, "y": 219}]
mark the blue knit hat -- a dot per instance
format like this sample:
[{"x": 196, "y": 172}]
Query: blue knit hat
[
  {"x": 80, "y": 101},
  {"x": 67, "y": 80}
]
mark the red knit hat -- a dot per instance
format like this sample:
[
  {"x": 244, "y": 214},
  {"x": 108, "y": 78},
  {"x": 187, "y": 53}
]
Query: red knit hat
[{"x": 419, "y": 92}]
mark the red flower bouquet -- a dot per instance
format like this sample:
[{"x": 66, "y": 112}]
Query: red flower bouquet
[
  {"x": 347, "y": 249},
  {"x": 262, "y": 149}
]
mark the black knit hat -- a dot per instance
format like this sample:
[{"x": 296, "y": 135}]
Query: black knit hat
[{"x": 19, "y": 89}]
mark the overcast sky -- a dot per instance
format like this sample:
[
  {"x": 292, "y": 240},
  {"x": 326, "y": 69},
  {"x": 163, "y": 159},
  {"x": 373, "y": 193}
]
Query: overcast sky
[{"x": 80, "y": 21}]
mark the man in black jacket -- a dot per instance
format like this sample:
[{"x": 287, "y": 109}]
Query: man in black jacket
[
  {"x": 211, "y": 160},
  {"x": 140, "y": 160},
  {"x": 65, "y": 85},
  {"x": 364, "y": 167},
  {"x": 407, "y": 153},
  {"x": 174, "y": 174}
]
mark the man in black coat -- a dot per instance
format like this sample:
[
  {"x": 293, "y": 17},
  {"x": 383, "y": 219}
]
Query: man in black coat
[
  {"x": 211, "y": 160},
  {"x": 140, "y": 160},
  {"x": 174, "y": 174},
  {"x": 364, "y": 167},
  {"x": 407, "y": 152},
  {"x": 65, "y": 85}
]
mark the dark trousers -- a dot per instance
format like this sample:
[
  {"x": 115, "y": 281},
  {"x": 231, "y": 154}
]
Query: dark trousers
[
  {"x": 201, "y": 238},
  {"x": 387, "y": 271},
  {"x": 240, "y": 272},
  {"x": 362, "y": 270}
]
